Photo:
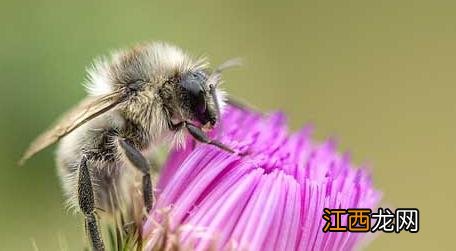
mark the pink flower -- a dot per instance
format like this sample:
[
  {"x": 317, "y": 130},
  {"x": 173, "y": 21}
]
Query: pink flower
[{"x": 271, "y": 199}]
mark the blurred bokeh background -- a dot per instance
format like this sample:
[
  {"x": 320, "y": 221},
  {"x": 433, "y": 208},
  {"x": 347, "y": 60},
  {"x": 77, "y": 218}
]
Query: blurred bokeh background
[{"x": 377, "y": 75}]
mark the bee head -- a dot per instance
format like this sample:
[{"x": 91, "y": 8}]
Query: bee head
[{"x": 198, "y": 97}]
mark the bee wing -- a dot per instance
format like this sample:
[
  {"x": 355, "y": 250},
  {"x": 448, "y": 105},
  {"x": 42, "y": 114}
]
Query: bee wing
[{"x": 88, "y": 109}]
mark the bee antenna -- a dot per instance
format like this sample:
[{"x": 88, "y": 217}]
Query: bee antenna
[
  {"x": 212, "y": 91},
  {"x": 230, "y": 63},
  {"x": 214, "y": 80}
]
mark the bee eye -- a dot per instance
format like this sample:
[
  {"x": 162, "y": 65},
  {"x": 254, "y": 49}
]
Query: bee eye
[{"x": 193, "y": 84}]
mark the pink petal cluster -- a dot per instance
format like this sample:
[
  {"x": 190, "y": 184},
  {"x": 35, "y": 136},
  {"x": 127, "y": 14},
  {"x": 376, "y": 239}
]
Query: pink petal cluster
[{"x": 271, "y": 199}]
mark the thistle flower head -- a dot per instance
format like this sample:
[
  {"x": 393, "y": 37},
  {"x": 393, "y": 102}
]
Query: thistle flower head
[{"x": 270, "y": 199}]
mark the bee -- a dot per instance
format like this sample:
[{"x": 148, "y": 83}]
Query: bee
[{"x": 137, "y": 98}]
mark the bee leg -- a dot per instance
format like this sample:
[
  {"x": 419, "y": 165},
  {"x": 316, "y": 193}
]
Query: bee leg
[
  {"x": 87, "y": 205},
  {"x": 199, "y": 135},
  {"x": 141, "y": 163},
  {"x": 175, "y": 127}
]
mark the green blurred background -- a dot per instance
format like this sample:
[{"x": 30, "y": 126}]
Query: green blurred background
[{"x": 378, "y": 75}]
